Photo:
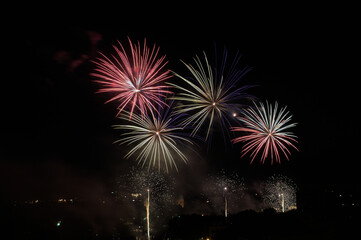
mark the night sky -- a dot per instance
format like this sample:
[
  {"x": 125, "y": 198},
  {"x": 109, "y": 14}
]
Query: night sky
[{"x": 56, "y": 134}]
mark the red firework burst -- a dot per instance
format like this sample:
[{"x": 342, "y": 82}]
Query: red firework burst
[
  {"x": 265, "y": 128},
  {"x": 136, "y": 80}
]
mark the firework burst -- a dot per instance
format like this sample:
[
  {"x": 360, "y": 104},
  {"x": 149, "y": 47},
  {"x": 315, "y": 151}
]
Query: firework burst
[
  {"x": 135, "y": 79},
  {"x": 155, "y": 138},
  {"x": 210, "y": 94},
  {"x": 265, "y": 129}
]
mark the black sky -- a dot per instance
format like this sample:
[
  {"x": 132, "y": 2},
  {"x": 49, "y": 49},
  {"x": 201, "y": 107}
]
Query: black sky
[{"x": 302, "y": 56}]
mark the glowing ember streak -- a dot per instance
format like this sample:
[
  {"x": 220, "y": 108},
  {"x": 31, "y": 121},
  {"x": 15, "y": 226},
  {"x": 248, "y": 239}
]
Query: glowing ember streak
[
  {"x": 136, "y": 80},
  {"x": 265, "y": 132},
  {"x": 225, "y": 202},
  {"x": 148, "y": 226}
]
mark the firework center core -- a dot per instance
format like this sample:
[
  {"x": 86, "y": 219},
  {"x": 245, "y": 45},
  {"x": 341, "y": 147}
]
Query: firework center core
[{"x": 214, "y": 104}]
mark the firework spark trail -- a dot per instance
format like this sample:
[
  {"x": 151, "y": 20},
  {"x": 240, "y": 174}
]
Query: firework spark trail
[
  {"x": 155, "y": 189},
  {"x": 155, "y": 138},
  {"x": 265, "y": 128},
  {"x": 135, "y": 80},
  {"x": 224, "y": 191},
  {"x": 148, "y": 213},
  {"x": 210, "y": 94},
  {"x": 160, "y": 185},
  {"x": 280, "y": 193}
]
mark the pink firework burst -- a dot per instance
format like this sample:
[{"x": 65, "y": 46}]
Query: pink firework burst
[
  {"x": 266, "y": 132},
  {"x": 135, "y": 80}
]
